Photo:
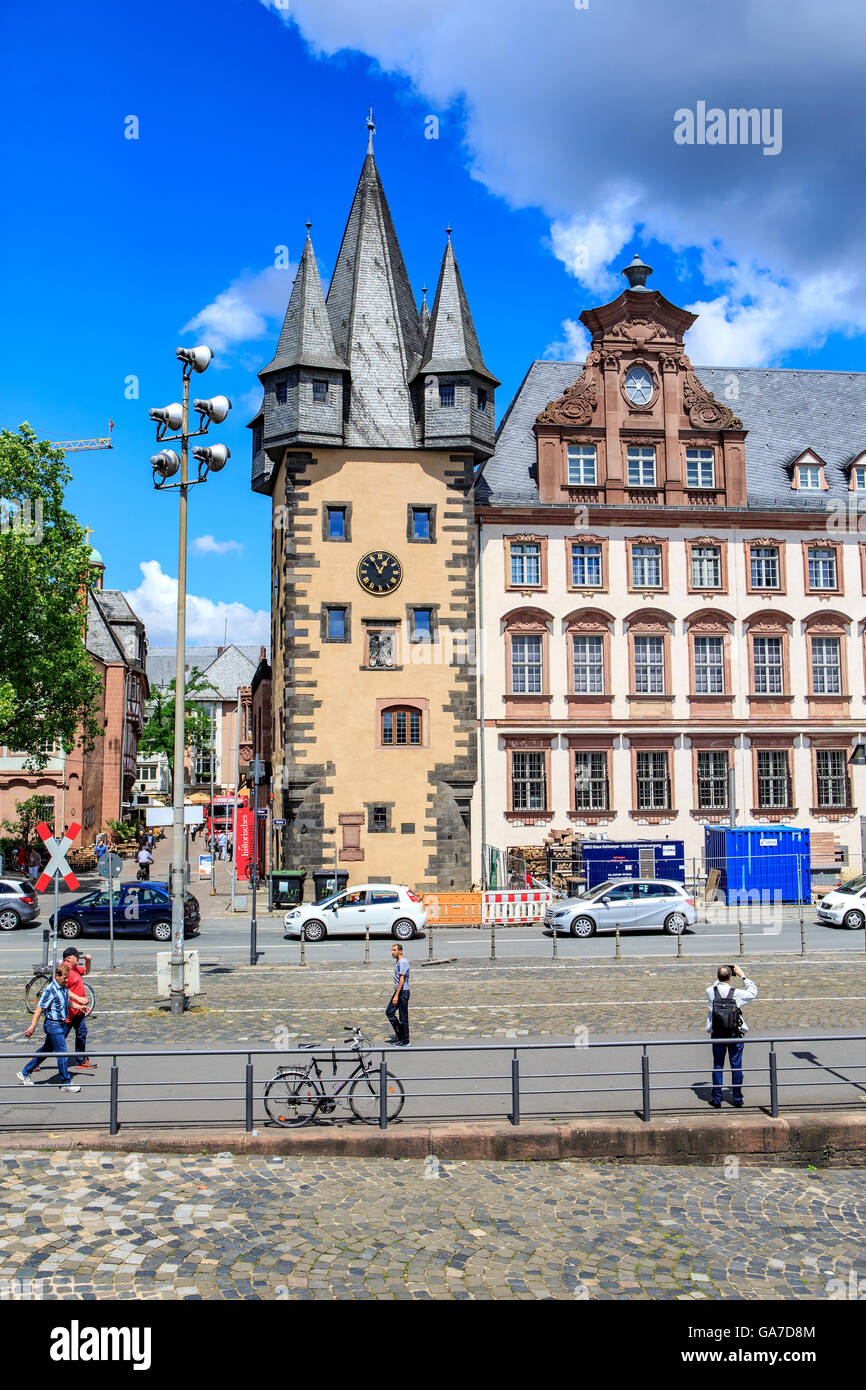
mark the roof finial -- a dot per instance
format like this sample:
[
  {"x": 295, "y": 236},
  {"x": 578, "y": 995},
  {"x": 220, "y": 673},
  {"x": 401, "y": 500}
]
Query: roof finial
[
  {"x": 448, "y": 234},
  {"x": 637, "y": 273},
  {"x": 371, "y": 126}
]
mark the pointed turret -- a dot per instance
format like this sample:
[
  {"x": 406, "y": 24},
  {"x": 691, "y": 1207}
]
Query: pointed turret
[
  {"x": 306, "y": 339},
  {"x": 304, "y": 381},
  {"x": 376, "y": 326},
  {"x": 458, "y": 387}
]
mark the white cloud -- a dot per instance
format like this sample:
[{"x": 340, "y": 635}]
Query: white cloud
[
  {"x": 572, "y": 111},
  {"x": 247, "y": 310},
  {"x": 155, "y": 602},
  {"x": 574, "y": 345},
  {"x": 208, "y": 545}
]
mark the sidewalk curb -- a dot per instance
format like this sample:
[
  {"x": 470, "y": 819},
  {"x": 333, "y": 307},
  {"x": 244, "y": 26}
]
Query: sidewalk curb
[{"x": 822, "y": 1138}]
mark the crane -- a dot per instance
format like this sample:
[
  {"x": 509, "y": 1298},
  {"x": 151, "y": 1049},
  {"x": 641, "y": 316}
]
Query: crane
[{"x": 71, "y": 446}]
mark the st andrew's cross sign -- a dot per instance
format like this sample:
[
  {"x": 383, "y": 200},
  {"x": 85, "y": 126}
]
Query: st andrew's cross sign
[{"x": 57, "y": 857}]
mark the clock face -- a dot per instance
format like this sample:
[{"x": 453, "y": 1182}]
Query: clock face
[
  {"x": 380, "y": 572},
  {"x": 638, "y": 385}
]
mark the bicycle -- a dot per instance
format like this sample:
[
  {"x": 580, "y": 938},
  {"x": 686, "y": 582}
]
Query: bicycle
[
  {"x": 296, "y": 1095},
  {"x": 33, "y": 990}
]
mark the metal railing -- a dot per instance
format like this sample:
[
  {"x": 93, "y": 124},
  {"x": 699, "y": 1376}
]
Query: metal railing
[{"x": 644, "y": 1078}]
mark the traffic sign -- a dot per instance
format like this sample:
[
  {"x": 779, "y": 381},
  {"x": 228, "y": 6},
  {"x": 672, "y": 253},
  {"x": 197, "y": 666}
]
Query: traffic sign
[
  {"x": 57, "y": 850},
  {"x": 110, "y": 865},
  {"x": 263, "y": 812},
  {"x": 279, "y": 823}
]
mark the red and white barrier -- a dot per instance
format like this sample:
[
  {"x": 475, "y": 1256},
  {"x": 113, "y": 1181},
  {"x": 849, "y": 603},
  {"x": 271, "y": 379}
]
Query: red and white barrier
[{"x": 519, "y": 905}]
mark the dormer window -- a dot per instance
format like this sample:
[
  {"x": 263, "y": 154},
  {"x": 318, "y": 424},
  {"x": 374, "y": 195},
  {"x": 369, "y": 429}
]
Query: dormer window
[
  {"x": 257, "y": 439},
  {"x": 446, "y": 395},
  {"x": 482, "y": 401},
  {"x": 858, "y": 478},
  {"x": 641, "y": 466},
  {"x": 581, "y": 465},
  {"x": 320, "y": 393},
  {"x": 280, "y": 392},
  {"x": 808, "y": 473}
]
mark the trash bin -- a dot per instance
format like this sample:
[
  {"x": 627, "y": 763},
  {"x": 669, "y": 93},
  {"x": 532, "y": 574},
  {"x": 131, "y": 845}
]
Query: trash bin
[
  {"x": 287, "y": 887},
  {"x": 326, "y": 882}
]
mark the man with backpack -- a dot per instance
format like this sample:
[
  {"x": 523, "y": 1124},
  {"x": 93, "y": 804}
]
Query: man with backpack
[{"x": 727, "y": 1028}]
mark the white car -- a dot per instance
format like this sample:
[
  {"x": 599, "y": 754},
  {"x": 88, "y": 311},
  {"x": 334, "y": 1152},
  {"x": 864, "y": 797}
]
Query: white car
[
  {"x": 845, "y": 905},
  {"x": 385, "y": 909},
  {"x": 634, "y": 903}
]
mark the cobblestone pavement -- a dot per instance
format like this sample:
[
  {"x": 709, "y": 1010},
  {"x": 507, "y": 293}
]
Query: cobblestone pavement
[
  {"x": 249, "y": 1004},
  {"x": 91, "y": 1225}
]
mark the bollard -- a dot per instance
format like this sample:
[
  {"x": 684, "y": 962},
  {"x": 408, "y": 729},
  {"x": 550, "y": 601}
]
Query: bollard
[
  {"x": 555, "y": 941},
  {"x": 303, "y": 947},
  {"x": 492, "y": 939},
  {"x": 430, "y": 939},
  {"x": 802, "y": 934},
  {"x": 618, "y": 955},
  {"x": 249, "y": 1094},
  {"x": 514, "y": 1117},
  {"x": 645, "y": 1085},
  {"x": 800, "y": 906},
  {"x": 383, "y": 1093},
  {"x": 679, "y": 945},
  {"x": 740, "y": 932},
  {"x": 366, "y": 940},
  {"x": 112, "y": 1098},
  {"x": 774, "y": 1083}
]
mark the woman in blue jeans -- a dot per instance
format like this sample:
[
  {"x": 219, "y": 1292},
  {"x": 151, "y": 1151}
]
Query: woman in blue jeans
[{"x": 54, "y": 1007}]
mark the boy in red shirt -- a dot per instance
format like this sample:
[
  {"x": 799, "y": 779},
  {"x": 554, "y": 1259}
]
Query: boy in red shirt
[{"x": 78, "y": 1007}]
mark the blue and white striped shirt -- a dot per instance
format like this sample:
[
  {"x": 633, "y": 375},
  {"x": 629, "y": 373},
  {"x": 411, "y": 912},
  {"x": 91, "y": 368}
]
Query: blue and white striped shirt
[{"x": 54, "y": 1003}]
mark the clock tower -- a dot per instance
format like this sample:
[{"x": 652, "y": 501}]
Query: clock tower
[{"x": 375, "y": 417}]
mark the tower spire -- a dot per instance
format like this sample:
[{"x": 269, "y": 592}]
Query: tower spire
[
  {"x": 371, "y": 127},
  {"x": 306, "y": 338}
]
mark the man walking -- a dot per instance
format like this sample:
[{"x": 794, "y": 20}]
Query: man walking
[
  {"x": 727, "y": 1028},
  {"x": 54, "y": 1006},
  {"x": 398, "y": 1007},
  {"x": 222, "y": 842},
  {"x": 77, "y": 1020}
]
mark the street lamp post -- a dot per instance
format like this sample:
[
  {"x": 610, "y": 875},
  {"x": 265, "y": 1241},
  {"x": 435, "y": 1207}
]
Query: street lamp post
[{"x": 165, "y": 465}]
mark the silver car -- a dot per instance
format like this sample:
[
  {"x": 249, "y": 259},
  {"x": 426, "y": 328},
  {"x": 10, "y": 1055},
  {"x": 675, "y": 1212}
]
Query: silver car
[
  {"x": 635, "y": 903},
  {"x": 384, "y": 909},
  {"x": 19, "y": 903},
  {"x": 845, "y": 905}
]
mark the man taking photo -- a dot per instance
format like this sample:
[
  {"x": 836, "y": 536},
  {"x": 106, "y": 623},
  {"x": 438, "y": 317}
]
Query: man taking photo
[{"x": 727, "y": 1028}]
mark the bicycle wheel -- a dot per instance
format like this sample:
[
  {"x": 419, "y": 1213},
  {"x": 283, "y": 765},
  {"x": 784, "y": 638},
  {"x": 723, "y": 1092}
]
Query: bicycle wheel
[
  {"x": 292, "y": 1098},
  {"x": 364, "y": 1097},
  {"x": 90, "y": 996},
  {"x": 33, "y": 990}
]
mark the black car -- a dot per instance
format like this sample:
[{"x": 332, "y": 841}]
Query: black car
[{"x": 140, "y": 909}]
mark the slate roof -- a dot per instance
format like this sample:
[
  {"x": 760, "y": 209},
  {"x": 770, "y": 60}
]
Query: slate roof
[
  {"x": 785, "y": 411},
  {"x": 160, "y": 666},
  {"x": 375, "y": 321},
  {"x": 452, "y": 343},
  {"x": 306, "y": 338}
]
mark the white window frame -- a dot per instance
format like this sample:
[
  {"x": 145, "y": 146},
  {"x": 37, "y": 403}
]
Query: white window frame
[
  {"x": 649, "y": 664},
  {"x": 587, "y": 656},
  {"x": 641, "y": 457},
  {"x": 702, "y": 560},
  {"x": 586, "y": 553},
  {"x": 582, "y": 465},
  {"x": 703, "y": 462},
  {"x": 642, "y": 559},
  {"x": 810, "y": 471}
]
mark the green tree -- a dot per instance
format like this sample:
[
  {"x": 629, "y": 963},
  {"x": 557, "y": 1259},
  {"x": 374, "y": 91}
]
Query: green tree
[
  {"x": 49, "y": 687},
  {"x": 158, "y": 733}
]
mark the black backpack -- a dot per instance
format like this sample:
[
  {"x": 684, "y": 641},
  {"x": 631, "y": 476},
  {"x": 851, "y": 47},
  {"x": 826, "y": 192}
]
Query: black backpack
[{"x": 726, "y": 1020}]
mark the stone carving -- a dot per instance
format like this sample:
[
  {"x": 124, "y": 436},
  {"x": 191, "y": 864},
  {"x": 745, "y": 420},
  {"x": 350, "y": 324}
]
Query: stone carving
[
  {"x": 381, "y": 650},
  {"x": 575, "y": 407},
  {"x": 638, "y": 330},
  {"x": 702, "y": 408},
  {"x": 670, "y": 361}
]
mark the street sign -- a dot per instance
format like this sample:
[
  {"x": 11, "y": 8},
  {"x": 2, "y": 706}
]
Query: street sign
[
  {"x": 205, "y": 861},
  {"x": 57, "y": 864},
  {"x": 258, "y": 769},
  {"x": 110, "y": 865},
  {"x": 280, "y": 823},
  {"x": 263, "y": 812}
]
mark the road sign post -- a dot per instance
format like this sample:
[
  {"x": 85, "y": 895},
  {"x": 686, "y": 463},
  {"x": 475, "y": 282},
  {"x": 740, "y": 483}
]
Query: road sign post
[{"x": 110, "y": 868}]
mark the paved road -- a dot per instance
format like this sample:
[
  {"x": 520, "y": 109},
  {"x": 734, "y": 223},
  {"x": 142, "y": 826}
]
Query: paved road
[
  {"x": 90, "y": 1225},
  {"x": 230, "y": 938}
]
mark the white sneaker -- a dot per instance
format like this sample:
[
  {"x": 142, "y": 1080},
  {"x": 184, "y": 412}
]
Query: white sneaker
[
  {"x": 25, "y": 1080},
  {"x": 70, "y": 1088}
]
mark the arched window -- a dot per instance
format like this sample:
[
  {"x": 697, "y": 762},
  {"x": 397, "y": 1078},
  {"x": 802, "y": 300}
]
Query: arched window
[{"x": 403, "y": 724}]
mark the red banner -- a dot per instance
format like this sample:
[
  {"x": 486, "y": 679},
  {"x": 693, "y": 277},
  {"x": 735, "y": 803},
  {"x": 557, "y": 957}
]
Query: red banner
[{"x": 244, "y": 842}]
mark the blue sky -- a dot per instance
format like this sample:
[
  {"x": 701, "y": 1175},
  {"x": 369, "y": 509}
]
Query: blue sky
[{"x": 555, "y": 160}]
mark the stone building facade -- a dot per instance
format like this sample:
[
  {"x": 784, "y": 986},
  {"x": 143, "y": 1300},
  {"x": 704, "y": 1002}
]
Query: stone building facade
[
  {"x": 673, "y": 580},
  {"x": 374, "y": 418}
]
